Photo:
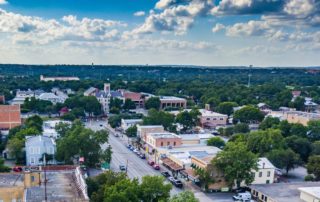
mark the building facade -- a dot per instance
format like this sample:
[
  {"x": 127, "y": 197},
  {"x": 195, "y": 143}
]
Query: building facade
[
  {"x": 127, "y": 123},
  {"x": 142, "y": 131},
  {"x": 10, "y": 116},
  {"x": 163, "y": 139},
  {"x": 210, "y": 119},
  {"x": 61, "y": 78},
  {"x": 36, "y": 147},
  {"x": 172, "y": 102}
]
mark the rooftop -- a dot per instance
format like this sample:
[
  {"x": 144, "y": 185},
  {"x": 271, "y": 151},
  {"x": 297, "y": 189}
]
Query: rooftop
[
  {"x": 205, "y": 112},
  {"x": 284, "y": 192},
  {"x": 171, "y": 98},
  {"x": 265, "y": 163},
  {"x": 163, "y": 135},
  {"x": 10, "y": 179},
  {"x": 150, "y": 126},
  {"x": 128, "y": 121},
  {"x": 313, "y": 191}
]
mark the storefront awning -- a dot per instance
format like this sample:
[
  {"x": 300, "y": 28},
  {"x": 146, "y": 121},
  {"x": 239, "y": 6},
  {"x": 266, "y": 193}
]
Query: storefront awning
[{"x": 171, "y": 164}]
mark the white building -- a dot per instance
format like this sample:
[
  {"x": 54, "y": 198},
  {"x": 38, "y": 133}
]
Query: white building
[
  {"x": 265, "y": 173},
  {"x": 51, "y": 97},
  {"x": 212, "y": 119},
  {"x": 36, "y": 147},
  {"x": 310, "y": 194},
  {"x": 142, "y": 131},
  {"x": 49, "y": 128},
  {"x": 127, "y": 123}
]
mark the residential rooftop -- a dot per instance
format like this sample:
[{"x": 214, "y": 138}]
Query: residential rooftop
[
  {"x": 264, "y": 163},
  {"x": 283, "y": 192},
  {"x": 11, "y": 179},
  {"x": 205, "y": 112},
  {"x": 163, "y": 135}
]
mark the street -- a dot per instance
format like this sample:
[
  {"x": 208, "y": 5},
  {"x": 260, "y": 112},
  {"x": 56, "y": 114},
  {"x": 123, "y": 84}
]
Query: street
[
  {"x": 137, "y": 167},
  {"x": 121, "y": 155}
]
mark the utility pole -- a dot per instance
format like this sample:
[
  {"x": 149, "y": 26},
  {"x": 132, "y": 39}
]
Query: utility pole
[{"x": 45, "y": 178}]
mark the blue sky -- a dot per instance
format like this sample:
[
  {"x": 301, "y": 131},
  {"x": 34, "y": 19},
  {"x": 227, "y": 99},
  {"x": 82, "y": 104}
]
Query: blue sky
[{"x": 187, "y": 32}]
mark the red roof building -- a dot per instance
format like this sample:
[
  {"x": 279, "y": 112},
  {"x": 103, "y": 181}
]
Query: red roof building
[
  {"x": 135, "y": 97},
  {"x": 10, "y": 116}
]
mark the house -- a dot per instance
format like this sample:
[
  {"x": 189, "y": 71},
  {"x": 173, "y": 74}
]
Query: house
[
  {"x": 10, "y": 116},
  {"x": 61, "y": 78},
  {"x": 300, "y": 117},
  {"x": 310, "y": 194},
  {"x": 22, "y": 95},
  {"x": 51, "y": 97},
  {"x": 36, "y": 147},
  {"x": 284, "y": 192},
  {"x": 264, "y": 107},
  {"x": 172, "y": 102},
  {"x": 127, "y": 123},
  {"x": 163, "y": 139},
  {"x": 137, "y": 98},
  {"x": 309, "y": 105},
  {"x": 63, "y": 183},
  {"x": 142, "y": 131},
  {"x": 210, "y": 119},
  {"x": 90, "y": 91},
  {"x": 49, "y": 130},
  {"x": 265, "y": 173}
]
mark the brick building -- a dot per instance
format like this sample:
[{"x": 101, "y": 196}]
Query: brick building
[{"x": 10, "y": 116}]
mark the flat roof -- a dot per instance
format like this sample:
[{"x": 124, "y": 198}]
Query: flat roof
[
  {"x": 313, "y": 191},
  {"x": 171, "y": 98},
  {"x": 150, "y": 126},
  {"x": 283, "y": 192},
  {"x": 163, "y": 135},
  {"x": 205, "y": 112},
  {"x": 131, "y": 120},
  {"x": 11, "y": 179}
]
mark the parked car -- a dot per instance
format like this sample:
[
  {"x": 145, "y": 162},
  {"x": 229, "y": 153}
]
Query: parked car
[
  {"x": 136, "y": 151},
  {"x": 151, "y": 163},
  {"x": 242, "y": 196},
  {"x": 242, "y": 190},
  {"x": 175, "y": 182},
  {"x": 122, "y": 167},
  {"x": 129, "y": 146},
  {"x": 166, "y": 174},
  {"x": 142, "y": 156},
  {"x": 17, "y": 169},
  {"x": 156, "y": 167}
]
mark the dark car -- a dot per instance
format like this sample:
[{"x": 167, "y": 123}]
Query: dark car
[
  {"x": 165, "y": 174},
  {"x": 175, "y": 182},
  {"x": 242, "y": 190},
  {"x": 122, "y": 167},
  {"x": 142, "y": 156}
]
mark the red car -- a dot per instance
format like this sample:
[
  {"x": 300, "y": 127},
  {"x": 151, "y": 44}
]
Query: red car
[
  {"x": 151, "y": 163},
  {"x": 156, "y": 167},
  {"x": 17, "y": 169}
]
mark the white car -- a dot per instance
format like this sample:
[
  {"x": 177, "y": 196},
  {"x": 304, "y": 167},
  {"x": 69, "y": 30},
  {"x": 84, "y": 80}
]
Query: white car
[{"x": 246, "y": 196}]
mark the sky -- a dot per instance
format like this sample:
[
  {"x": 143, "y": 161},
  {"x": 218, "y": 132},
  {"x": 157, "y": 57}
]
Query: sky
[{"x": 161, "y": 32}]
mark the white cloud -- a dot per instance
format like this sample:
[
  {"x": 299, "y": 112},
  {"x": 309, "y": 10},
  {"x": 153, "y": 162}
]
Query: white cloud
[
  {"x": 299, "y": 7},
  {"x": 3, "y": 2},
  {"x": 139, "y": 13},
  {"x": 218, "y": 27}
]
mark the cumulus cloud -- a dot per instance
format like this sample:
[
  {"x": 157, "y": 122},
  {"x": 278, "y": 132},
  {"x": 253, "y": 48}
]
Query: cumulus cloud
[
  {"x": 3, "y": 2},
  {"x": 218, "y": 27},
  {"x": 299, "y": 7},
  {"x": 139, "y": 13},
  {"x": 176, "y": 16}
]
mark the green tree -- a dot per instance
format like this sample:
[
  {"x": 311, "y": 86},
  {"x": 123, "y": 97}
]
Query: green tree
[
  {"x": 313, "y": 166},
  {"x": 3, "y": 167},
  {"x": 132, "y": 131},
  {"x": 91, "y": 105},
  {"x": 298, "y": 103},
  {"x": 285, "y": 128},
  {"x": 153, "y": 103},
  {"x": 261, "y": 142},
  {"x": 226, "y": 107},
  {"x": 237, "y": 163},
  {"x": 205, "y": 177},
  {"x": 186, "y": 196},
  {"x": 125, "y": 190},
  {"x": 316, "y": 148},
  {"x": 314, "y": 130},
  {"x": 159, "y": 118},
  {"x": 106, "y": 155},
  {"x": 186, "y": 120},
  {"x": 248, "y": 114},
  {"x": 284, "y": 159},
  {"x": 154, "y": 188},
  {"x": 35, "y": 122},
  {"x": 15, "y": 146},
  {"x": 116, "y": 103},
  {"x": 298, "y": 129},
  {"x": 216, "y": 142},
  {"x": 129, "y": 104},
  {"x": 269, "y": 122},
  {"x": 241, "y": 128},
  {"x": 300, "y": 145}
]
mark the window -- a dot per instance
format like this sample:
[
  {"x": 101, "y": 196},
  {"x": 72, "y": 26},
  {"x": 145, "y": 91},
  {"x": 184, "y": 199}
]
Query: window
[
  {"x": 31, "y": 150},
  {"x": 265, "y": 198},
  {"x": 32, "y": 178},
  {"x": 208, "y": 119},
  {"x": 268, "y": 174},
  {"x": 161, "y": 144},
  {"x": 262, "y": 197},
  {"x": 268, "y": 181},
  {"x": 32, "y": 160},
  {"x": 174, "y": 143},
  {"x": 221, "y": 119},
  {"x": 260, "y": 174},
  {"x": 214, "y": 119},
  {"x": 168, "y": 143}
]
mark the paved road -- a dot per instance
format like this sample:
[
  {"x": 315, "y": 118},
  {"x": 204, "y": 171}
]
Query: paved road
[
  {"x": 137, "y": 168},
  {"x": 121, "y": 155}
]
